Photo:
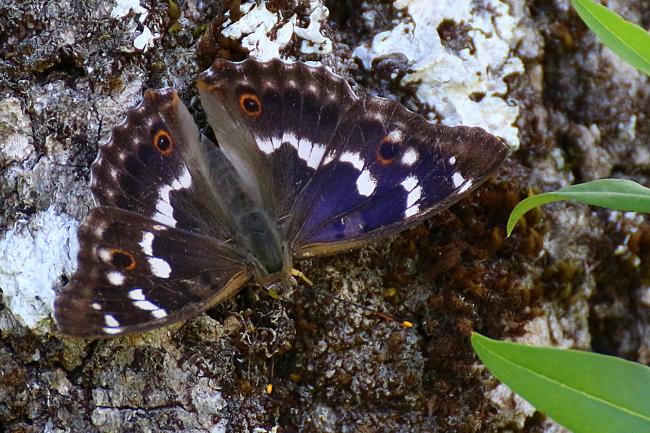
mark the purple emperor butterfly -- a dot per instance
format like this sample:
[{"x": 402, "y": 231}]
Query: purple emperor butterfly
[{"x": 304, "y": 168}]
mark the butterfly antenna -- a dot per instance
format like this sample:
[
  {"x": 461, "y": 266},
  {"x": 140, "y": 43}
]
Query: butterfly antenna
[{"x": 297, "y": 273}]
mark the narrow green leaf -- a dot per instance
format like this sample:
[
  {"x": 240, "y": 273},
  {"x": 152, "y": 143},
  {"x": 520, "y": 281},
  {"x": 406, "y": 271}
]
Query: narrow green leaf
[
  {"x": 626, "y": 39},
  {"x": 583, "y": 391},
  {"x": 617, "y": 194}
]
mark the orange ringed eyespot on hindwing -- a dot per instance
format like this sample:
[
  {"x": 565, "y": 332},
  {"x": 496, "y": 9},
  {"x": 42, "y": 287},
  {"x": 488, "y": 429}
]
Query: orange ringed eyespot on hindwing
[
  {"x": 123, "y": 259},
  {"x": 163, "y": 143},
  {"x": 250, "y": 104},
  {"x": 389, "y": 148}
]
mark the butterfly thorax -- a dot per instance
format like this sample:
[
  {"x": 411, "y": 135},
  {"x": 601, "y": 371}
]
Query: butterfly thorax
[{"x": 270, "y": 258}]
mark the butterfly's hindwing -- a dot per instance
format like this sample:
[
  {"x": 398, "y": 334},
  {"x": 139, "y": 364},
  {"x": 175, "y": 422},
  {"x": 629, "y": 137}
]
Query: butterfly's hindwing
[{"x": 136, "y": 274}]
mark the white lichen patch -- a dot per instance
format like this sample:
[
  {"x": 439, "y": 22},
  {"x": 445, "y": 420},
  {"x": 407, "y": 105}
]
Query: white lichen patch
[
  {"x": 16, "y": 142},
  {"x": 123, "y": 7},
  {"x": 313, "y": 40},
  {"x": 209, "y": 403},
  {"x": 265, "y": 33},
  {"x": 511, "y": 407},
  {"x": 145, "y": 39},
  {"x": 33, "y": 257},
  {"x": 465, "y": 87},
  {"x": 627, "y": 223}
]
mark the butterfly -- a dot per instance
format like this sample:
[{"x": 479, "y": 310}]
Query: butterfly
[{"x": 303, "y": 168}]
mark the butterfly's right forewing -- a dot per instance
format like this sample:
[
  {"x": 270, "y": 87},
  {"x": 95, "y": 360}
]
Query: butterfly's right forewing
[{"x": 156, "y": 164}]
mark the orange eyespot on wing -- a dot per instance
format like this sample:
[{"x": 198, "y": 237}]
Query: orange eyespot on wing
[
  {"x": 250, "y": 104},
  {"x": 123, "y": 259},
  {"x": 163, "y": 143},
  {"x": 389, "y": 148}
]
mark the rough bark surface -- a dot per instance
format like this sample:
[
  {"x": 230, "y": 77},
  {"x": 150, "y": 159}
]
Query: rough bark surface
[{"x": 571, "y": 276}]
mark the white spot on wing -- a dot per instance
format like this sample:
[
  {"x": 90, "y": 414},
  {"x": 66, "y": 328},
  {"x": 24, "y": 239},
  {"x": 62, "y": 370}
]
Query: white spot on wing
[
  {"x": 265, "y": 145},
  {"x": 159, "y": 267},
  {"x": 465, "y": 187},
  {"x": 329, "y": 158},
  {"x": 111, "y": 321},
  {"x": 304, "y": 149},
  {"x": 352, "y": 158},
  {"x": 136, "y": 295},
  {"x": 105, "y": 255},
  {"x": 395, "y": 136},
  {"x": 411, "y": 211},
  {"x": 290, "y": 138},
  {"x": 452, "y": 160},
  {"x": 159, "y": 313},
  {"x": 112, "y": 331},
  {"x": 146, "y": 305},
  {"x": 140, "y": 301},
  {"x": 410, "y": 157},
  {"x": 96, "y": 306},
  {"x": 184, "y": 181},
  {"x": 413, "y": 196},
  {"x": 316, "y": 156},
  {"x": 115, "y": 278},
  {"x": 147, "y": 243},
  {"x": 410, "y": 184},
  {"x": 366, "y": 184},
  {"x": 164, "y": 211},
  {"x": 458, "y": 179},
  {"x": 164, "y": 219},
  {"x": 99, "y": 230}
]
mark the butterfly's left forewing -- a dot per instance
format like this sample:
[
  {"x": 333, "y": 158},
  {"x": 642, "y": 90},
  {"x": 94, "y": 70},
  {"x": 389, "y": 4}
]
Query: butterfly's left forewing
[{"x": 136, "y": 274}]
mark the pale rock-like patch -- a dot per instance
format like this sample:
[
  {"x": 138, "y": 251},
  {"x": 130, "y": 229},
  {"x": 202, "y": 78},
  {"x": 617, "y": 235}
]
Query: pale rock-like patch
[
  {"x": 145, "y": 38},
  {"x": 446, "y": 81},
  {"x": 16, "y": 141},
  {"x": 259, "y": 32},
  {"x": 34, "y": 255}
]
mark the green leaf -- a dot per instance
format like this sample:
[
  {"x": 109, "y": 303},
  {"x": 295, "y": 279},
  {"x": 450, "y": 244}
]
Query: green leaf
[
  {"x": 617, "y": 194},
  {"x": 583, "y": 391},
  {"x": 626, "y": 39}
]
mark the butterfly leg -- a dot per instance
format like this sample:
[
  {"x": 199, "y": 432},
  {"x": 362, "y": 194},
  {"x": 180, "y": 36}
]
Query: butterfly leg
[
  {"x": 297, "y": 273},
  {"x": 275, "y": 294}
]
